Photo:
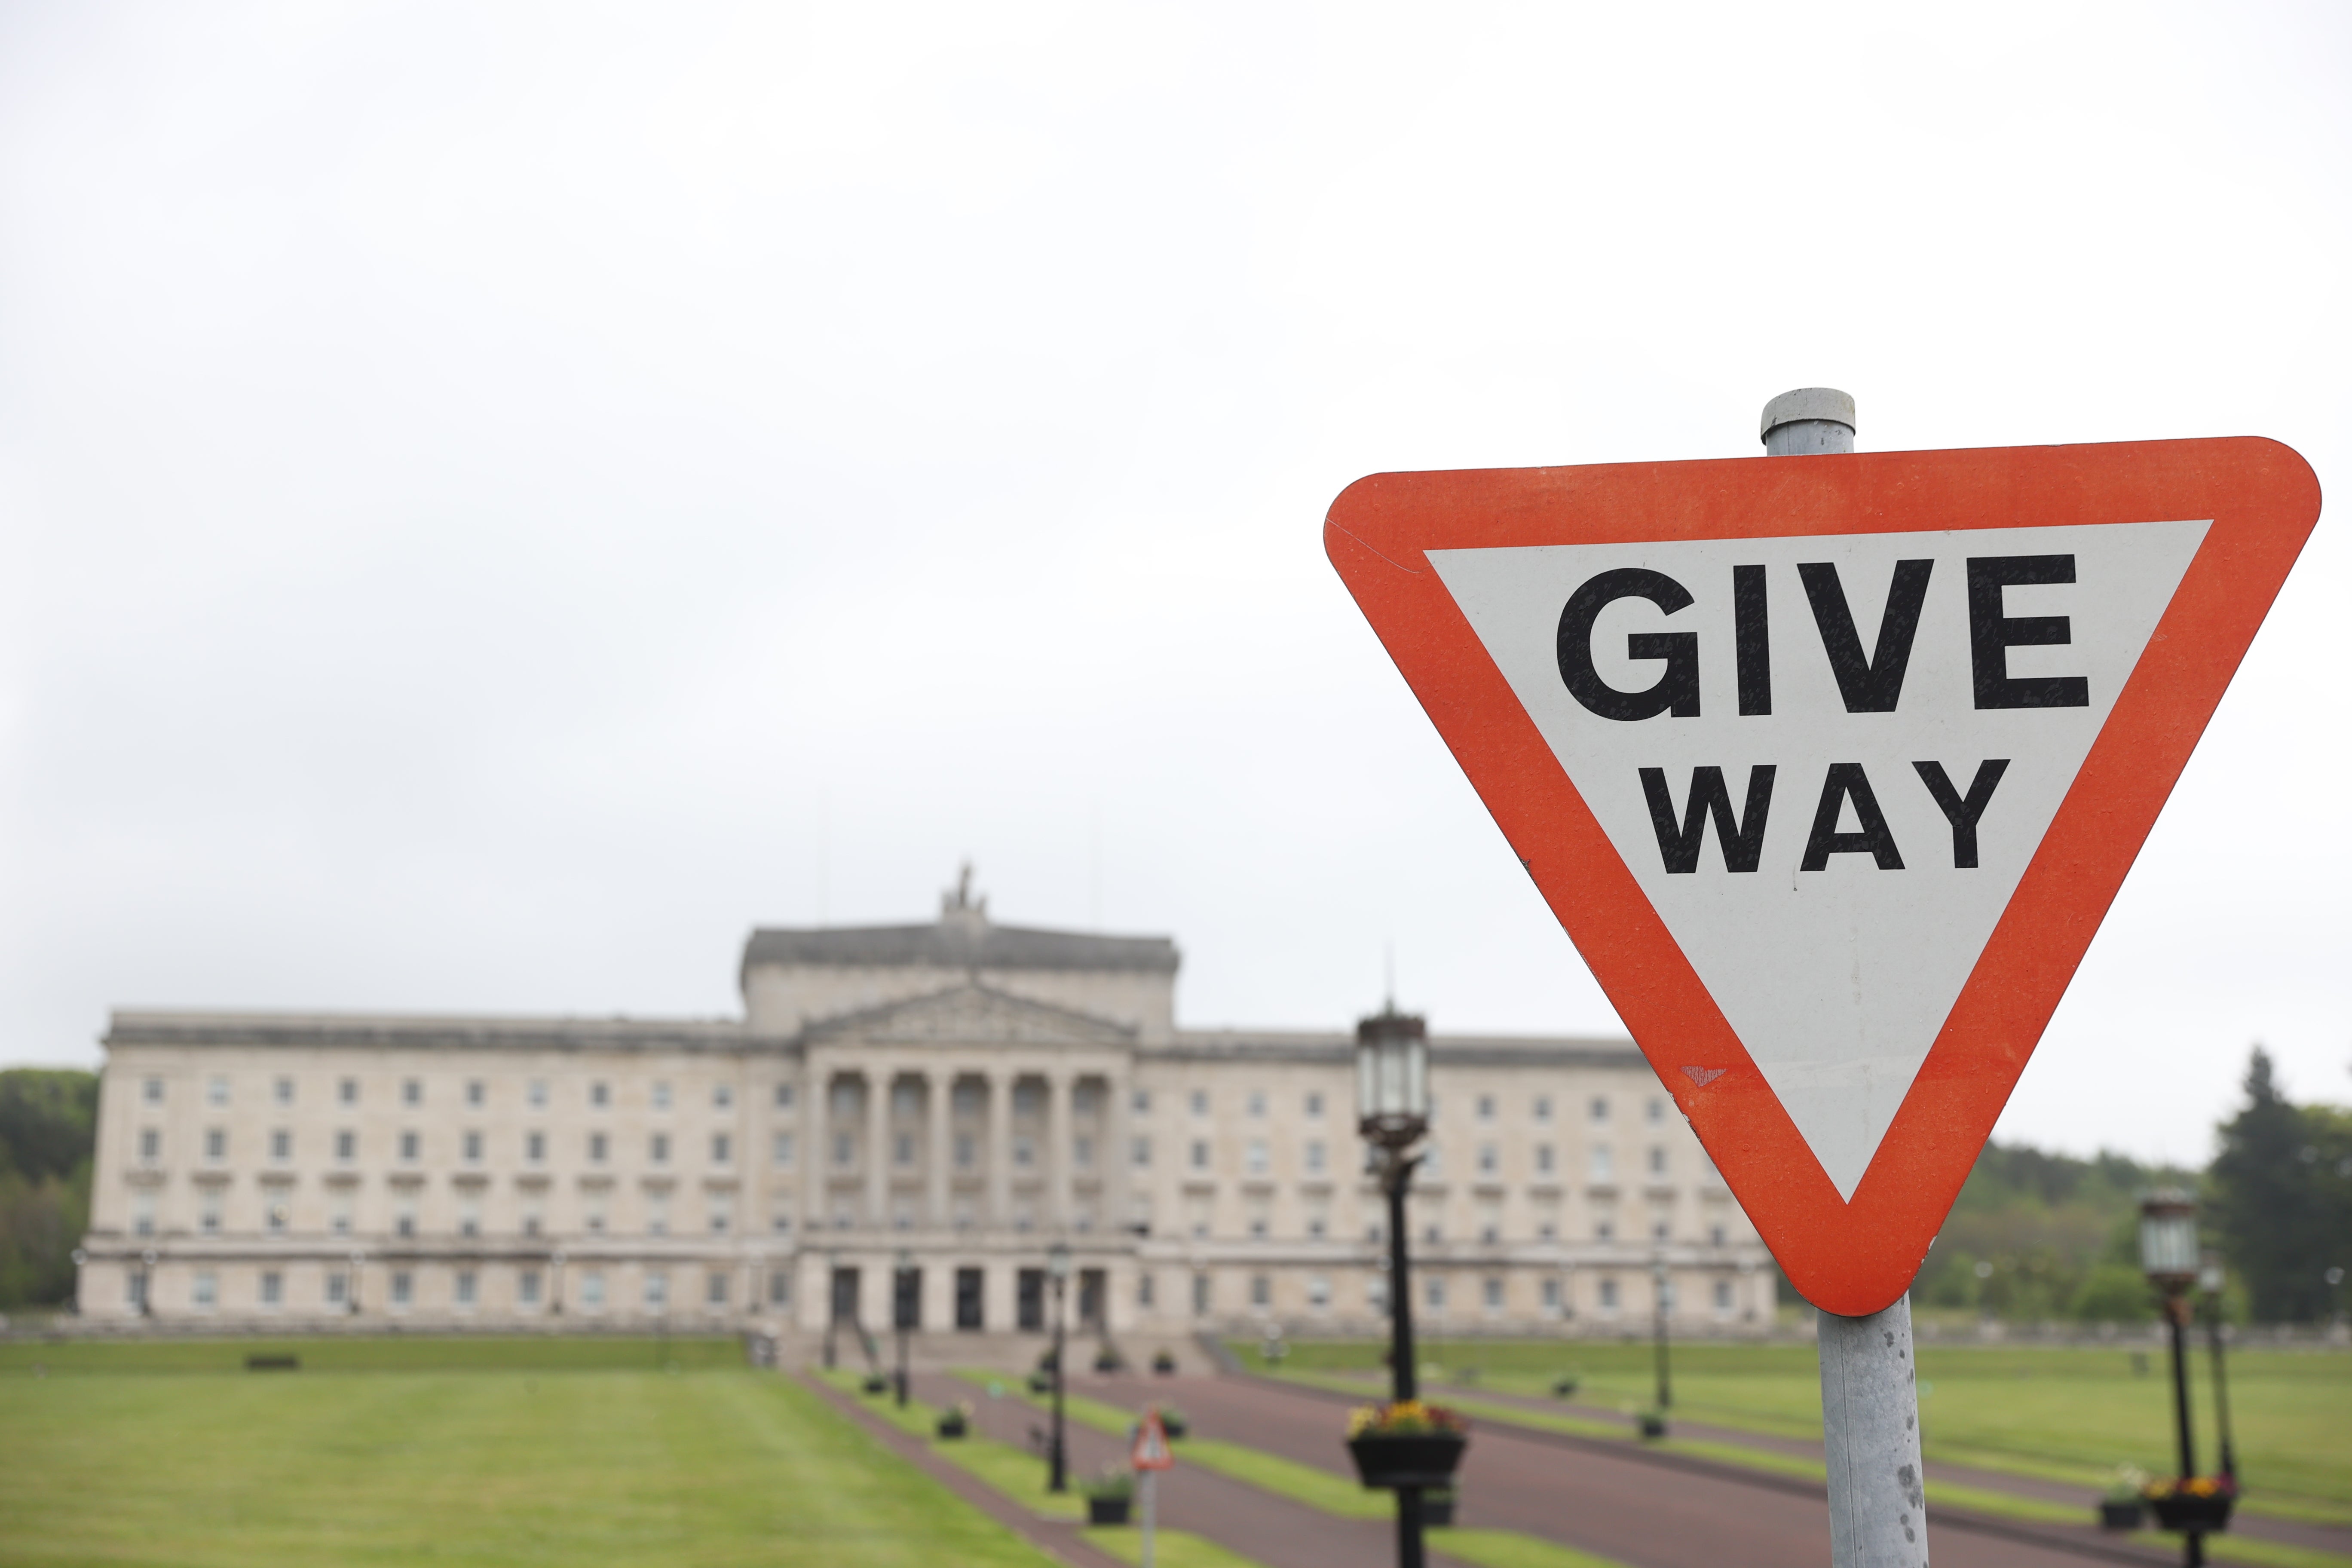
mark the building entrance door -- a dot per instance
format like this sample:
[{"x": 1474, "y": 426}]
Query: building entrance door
[
  {"x": 968, "y": 1307},
  {"x": 845, "y": 1295},
  {"x": 1094, "y": 1291},
  {"x": 1032, "y": 1301}
]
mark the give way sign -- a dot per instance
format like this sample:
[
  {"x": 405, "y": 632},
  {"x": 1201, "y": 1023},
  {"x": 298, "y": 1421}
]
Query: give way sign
[{"x": 1831, "y": 765}]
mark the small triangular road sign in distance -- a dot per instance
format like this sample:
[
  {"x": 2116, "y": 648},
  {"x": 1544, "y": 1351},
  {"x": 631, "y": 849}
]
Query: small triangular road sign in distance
[
  {"x": 1831, "y": 765},
  {"x": 1151, "y": 1451}
]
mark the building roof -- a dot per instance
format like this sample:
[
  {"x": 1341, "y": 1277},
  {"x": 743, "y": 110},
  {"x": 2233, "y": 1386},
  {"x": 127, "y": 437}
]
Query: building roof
[
  {"x": 958, "y": 939},
  {"x": 425, "y": 1031}
]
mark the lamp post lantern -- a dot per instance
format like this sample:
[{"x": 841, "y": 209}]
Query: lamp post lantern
[
  {"x": 2169, "y": 1256},
  {"x": 2211, "y": 1278},
  {"x": 1393, "y": 1114},
  {"x": 1057, "y": 1269},
  {"x": 902, "y": 1311}
]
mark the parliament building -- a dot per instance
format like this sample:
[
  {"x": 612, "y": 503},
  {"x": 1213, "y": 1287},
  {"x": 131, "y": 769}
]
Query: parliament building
[{"x": 902, "y": 1121}]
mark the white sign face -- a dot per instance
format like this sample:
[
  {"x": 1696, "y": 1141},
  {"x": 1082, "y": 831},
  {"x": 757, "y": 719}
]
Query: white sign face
[{"x": 1827, "y": 758}]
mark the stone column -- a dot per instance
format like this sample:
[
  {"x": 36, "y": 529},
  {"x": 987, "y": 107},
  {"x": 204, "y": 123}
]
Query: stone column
[
  {"x": 999, "y": 1151},
  {"x": 939, "y": 1101},
  {"x": 1118, "y": 1157},
  {"x": 878, "y": 1147},
  {"x": 1059, "y": 1132},
  {"x": 813, "y": 1138}
]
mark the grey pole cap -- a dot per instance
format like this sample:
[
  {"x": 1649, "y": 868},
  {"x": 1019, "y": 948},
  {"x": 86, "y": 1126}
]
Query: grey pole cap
[{"x": 1808, "y": 403}]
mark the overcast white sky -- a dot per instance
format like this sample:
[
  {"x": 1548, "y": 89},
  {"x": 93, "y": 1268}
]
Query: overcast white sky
[{"x": 497, "y": 501}]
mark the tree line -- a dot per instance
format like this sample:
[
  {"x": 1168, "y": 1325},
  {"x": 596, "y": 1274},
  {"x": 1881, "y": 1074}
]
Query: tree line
[{"x": 49, "y": 1131}]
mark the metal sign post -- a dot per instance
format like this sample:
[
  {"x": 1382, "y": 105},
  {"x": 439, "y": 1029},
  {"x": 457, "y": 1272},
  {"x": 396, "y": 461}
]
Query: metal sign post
[
  {"x": 1149, "y": 1457},
  {"x": 1870, "y": 1387}
]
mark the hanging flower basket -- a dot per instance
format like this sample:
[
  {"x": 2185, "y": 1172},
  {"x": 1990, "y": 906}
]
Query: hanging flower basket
[
  {"x": 1408, "y": 1444},
  {"x": 2201, "y": 1504}
]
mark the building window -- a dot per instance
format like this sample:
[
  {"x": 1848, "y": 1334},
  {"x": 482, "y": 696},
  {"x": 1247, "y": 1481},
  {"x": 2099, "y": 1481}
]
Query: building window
[
  {"x": 475, "y": 1092},
  {"x": 1315, "y": 1105},
  {"x": 1543, "y": 1108},
  {"x": 598, "y": 1149},
  {"x": 843, "y": 1151},
  {"x": 1315, "y": 1156},
  {"x": 1316, "y": 1224},
  {"x": 281, "y": 1144},
  {"x": 1142, "y": 1100},
  {"x": 600, "y": 1094},
  {"x": 1489, "y": 1160},
  {"x": 339, "y": 1215},
  {"x": 208, "y": 1212},
  {"x": 1657, "y": 1160},
  {"x": 1083, "y": 1153},
  {"x": 465, "y": 1293},
  {"x": 142, "y": 1214},
  {"x": 412, "y": 1091},
  {"x": 714, "y": 1289},
  {"x": 659, "y": 1149},
  {"x": 1200, "y": 1103},
  {"x": 722, "y": 1096},
  {"x": 534, "y": 1147},
  {"x": 1434, "y": 1293},
  {"x": 781, "y": 1152},
  {"x": 347, "y": 1146},
  {"x": 1600, "y": 1108},
  {"x": 348, "y": 1091},
  {"x": 1493, "y": 1294},
  {"x": 658, "y": 1216},
  {"x": 1024, "y": 1153},
  {"x": 1319, "y": 1292},
  {"x": 902, "y": 1149},
  {"x": 1200, "y": 1295},
  {"x": 781, "y": 1224},
  {"x": 1715, "y": 1236},
  {"x": 338, "y": 1289},
  {"x": 722, "y": 1149},
  {"x": 1253, "y": 1157},
  {"x": 409, "y": 1146},
  {"x": 535, "y": 1093},
  {"x": 1604, "y": 1164},
  {"x": 1723, "y": 1295},
  {"x": 784, "y": 1097},
  {"x": 1609, "y": 1295},
  {"x": 404, "y": 1286},
  {"x": 134, "y": 1292},
  {"x": 1660, "y": 1230},
  {"x": 469, "y": 1219},
  {"x": 473, "y": 1148},
  {"x": 1550, "y": 1294},
  {"x": 153, "y": 1089},
  {"x": 1604, "y": 1229},
  {"x": 215, "y": 1143},
  {"x": 723, "y": 1216},
  {"x": 206, "y": 1294},
  {"x": 527, "y": 1287},
  {"x": 657, "y": 1289},
  {"x": 403, "y": 1221},
  {"x": 1261, "y": 1290},
  {"x": 1257, "y": 1103},
  {"x": 1543, "y": 1159},
  {"x": 966, "y": 1151},
  {"x": 592, "y": 1290},
  {"x": 1657, "y": 1108},
  {"x": 277, "y": 1211},
  {"x": 1142, "y": 1151},
  {"x": 780, "y": 1289},
  {"x": 531, "y": 1223},
  {"x": 284, "y": 1091},
  {"x": 594, "y": 1218},
  {"x": 151, "y": 1144},
  {"x": 216, "y": 1091},
  {"x": 661, "y": 1097},
  {"x": 1485, "y": 1108}
]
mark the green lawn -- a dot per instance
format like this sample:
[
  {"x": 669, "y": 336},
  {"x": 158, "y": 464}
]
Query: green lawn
[
  {"x": 2067, "y": 1413},
  {"x": 486, "y": 1467}
]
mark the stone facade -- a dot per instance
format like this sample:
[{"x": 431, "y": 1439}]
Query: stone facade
[{"x": 951, "y": 1098}]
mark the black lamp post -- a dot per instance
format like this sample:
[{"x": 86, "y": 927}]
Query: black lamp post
[
  {"x": 1057, "y": 1269},
  {"x": 1661, "y": 1288},
  {"x": 902, "y": 1312},
  {"x": 2210, "y": 1279},
  {"x": 1392, "y": 1113},
  {"x": 2169, "y": 1256}
]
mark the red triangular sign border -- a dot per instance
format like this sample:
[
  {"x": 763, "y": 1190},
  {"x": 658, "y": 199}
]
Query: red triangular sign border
[{"x": 1854, "y": 1257}]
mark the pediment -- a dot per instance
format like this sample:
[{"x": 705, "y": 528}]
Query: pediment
[{"x": 970, "y": 1015}]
